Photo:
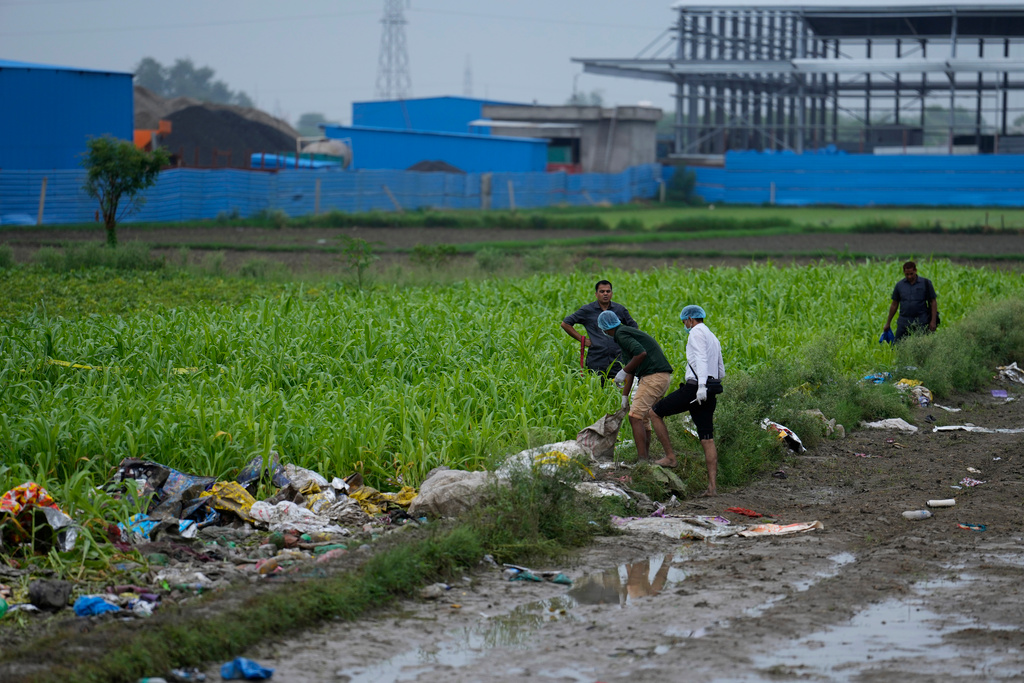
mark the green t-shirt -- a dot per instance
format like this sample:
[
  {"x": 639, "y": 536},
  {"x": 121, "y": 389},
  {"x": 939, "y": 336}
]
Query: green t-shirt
[{"x": 633, "y": 342}]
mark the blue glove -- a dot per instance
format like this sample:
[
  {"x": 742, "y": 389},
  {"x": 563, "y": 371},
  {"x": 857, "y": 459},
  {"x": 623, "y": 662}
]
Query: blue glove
[{"x": 887, "y": 337}]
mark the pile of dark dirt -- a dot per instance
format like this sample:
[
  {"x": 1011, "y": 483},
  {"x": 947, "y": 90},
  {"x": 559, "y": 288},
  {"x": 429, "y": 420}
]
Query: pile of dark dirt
[
  {"x": 219, "y": 138},
  {"x": 434, "y": 167}
]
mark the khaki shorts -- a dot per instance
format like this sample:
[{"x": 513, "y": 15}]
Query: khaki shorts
[{"x": 649, "y": 390}]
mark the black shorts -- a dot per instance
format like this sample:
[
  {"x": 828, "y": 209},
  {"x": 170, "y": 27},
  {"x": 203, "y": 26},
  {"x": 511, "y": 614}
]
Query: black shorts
[{"x": 681, "y": 400}]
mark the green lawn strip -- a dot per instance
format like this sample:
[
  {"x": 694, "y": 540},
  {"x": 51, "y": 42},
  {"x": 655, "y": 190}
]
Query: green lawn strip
[
  {"x": 192, "y": 636},
  {"x": 764, "y": 254},
  {"x": 620, "y": 238}
]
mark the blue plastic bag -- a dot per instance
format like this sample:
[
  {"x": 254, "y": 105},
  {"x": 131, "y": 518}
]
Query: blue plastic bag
[
  {"x": 244, "y": 669},
  {"x": 887, "y": 337},
  {"x": 89, "y": 605}
]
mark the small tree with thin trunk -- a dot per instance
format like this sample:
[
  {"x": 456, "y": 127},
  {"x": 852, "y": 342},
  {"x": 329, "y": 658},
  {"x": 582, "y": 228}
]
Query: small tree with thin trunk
[{"x": 117, "y": 172}]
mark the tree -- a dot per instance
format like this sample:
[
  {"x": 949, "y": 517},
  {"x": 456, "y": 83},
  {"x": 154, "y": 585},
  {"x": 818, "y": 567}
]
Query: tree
[
  {"x": 116, "y": 172},
  {"x": 309, "y": 124},
  {"x": 595, "y": 98},
  {"x": 183, "y": 79}
]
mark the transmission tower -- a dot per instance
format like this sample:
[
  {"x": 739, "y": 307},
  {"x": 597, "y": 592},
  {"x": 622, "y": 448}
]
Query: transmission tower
[
  {"x": 467, "y": 79},
  {"x": 393, "y": 81}
]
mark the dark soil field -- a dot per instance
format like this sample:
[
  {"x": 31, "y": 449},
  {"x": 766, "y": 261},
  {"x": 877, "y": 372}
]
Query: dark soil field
[{"x": 308, "y": 249}]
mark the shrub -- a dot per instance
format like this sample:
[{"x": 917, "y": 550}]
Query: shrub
[
  {"x": 962, "y": 356},
  {"x": 263, "y": 269},
  {"x": 432, "y": 255},
  {"x": 490, "y": 259},
  {"x": 6, "y": 256}
]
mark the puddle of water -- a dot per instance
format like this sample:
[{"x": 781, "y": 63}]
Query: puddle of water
[
  {"x": 892, "y": 630},
  {"x": 627, "y": 583},
  {"x": 466, "y": 645},
  {"x": 838, "y": 561}
]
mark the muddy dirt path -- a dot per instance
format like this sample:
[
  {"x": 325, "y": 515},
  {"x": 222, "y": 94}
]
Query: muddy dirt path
[{"x": 870, "y": 597}]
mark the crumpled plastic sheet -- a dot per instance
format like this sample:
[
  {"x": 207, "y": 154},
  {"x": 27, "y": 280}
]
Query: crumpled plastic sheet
[
  {"x": 317, "y": 493},
  {"x": 244, "y": 669},
  {"x": 780, "y": 529},
  {"x": 374, "y": 502},
  {"x": 877, "y": 378},
  {"x": 918, "y": 390},
  {"x": 141, "y": 528},
  {"x": 286, "y": 515},
  {"x": 785, "y": 434},
  {"x": 1011, "y": 373},
  {"x": 891, "y": 423},
  {"x": 698, "y": 527},
  {"x": 90, "y": 605},
  {"x": 550, "y": 458},
  {"x": 179, "y": 577},
  {"x": 230, "y": 496},
  {"x": 346, "y": 512},
  {"x": 602, "y": 489},
  {"x": 175, "y": 494},
  {"x": 982, "y": 430},
  {"x": 254, "y": 472},
  {"x": 19, "y": 508}
]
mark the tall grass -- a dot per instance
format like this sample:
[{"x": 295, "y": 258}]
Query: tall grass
[{"x": 395, "y": 381}]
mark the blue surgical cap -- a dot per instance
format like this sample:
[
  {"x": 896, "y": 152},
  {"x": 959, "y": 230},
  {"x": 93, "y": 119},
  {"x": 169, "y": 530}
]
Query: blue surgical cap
[
  {"x": 607, "y": 320},
  {"x": 692, "y": 311}
]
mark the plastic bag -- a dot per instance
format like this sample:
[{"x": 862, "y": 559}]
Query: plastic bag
[{"x": 601, "y": 436}]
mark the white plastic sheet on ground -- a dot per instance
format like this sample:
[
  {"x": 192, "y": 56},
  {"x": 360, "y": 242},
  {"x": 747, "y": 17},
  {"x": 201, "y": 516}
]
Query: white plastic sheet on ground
[
  {"x": 1011, "y": 373},
  {"x": 550, "y": 458},
  {"x": 947, "y": 408},
  {"x": 786, "y": 434},
  {"x": 287, "y": 515},
  {"x": 601, "y": 489},
  {"x": 780, "y": 529},
  {"x": 701, "y": 528},
  {"x": 972, "y": 428},
  {"x": 891, "y": 423}
]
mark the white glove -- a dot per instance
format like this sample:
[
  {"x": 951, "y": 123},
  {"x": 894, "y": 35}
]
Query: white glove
[
  {"x": 620, "y": 378},
  {"x": 625, "y": 402},
  {"x": 702, "y": 394}
]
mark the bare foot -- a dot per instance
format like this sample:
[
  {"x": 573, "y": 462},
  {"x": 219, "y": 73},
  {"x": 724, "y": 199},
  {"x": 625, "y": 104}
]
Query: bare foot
[
  {"x": 665, "y": 462},
  {"x": 708, "y": 494}
]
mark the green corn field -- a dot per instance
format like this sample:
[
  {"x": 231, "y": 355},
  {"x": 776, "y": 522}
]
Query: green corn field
[{"x": 389, "y": 381}]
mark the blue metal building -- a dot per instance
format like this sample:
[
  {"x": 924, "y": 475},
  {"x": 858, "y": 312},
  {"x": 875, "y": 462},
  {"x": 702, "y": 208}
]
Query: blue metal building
[
  {"x": 383, "y": 148},
  {"x": 438, "y": 114},
  {"x": 49, "y": 112}
]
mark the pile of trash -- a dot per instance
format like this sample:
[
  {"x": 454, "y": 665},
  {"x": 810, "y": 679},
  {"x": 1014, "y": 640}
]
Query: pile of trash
[{"x": 197, "y": 533}]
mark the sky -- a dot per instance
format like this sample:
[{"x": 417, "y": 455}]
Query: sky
[{"x": 322, "y": 55}]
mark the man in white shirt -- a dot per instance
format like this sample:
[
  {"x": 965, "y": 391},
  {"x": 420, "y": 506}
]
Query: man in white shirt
[{"x": 703, "y": 363}]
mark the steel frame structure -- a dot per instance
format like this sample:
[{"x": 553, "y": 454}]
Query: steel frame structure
[{"x": 770, "y": 75}]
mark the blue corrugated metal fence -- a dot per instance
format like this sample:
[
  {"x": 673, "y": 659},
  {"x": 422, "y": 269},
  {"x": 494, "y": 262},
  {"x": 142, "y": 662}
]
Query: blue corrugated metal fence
[
  {"x": 191, "y": 194},
  {"x": 865, "y": 180}
]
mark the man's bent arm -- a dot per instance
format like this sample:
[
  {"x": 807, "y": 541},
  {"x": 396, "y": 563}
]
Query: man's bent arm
[{"x": 571, "y": 331}]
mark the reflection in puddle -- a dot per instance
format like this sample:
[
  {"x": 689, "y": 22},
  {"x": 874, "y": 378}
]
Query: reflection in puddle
[
  {"x": 627, "y": 582},
  {"x": 465, "y": 645},
  {"x": 892, "y": 630},
  {"x": 620, "y": 586}
]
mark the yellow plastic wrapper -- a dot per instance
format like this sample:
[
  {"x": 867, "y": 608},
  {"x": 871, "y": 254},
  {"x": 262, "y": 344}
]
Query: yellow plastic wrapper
[
  {"x": 374, "y": 502},
  {"x": 231, "y": 496}
]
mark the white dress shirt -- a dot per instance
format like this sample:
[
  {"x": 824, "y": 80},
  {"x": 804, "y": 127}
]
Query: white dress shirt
[{"x": 703, "y": 355}]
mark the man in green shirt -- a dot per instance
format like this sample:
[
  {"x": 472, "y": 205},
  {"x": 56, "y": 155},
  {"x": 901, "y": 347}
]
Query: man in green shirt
[{"x": 645, "y": 361}]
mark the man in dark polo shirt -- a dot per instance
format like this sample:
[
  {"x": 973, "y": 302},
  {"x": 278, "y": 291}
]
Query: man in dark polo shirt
[
  {"x": 646, "y": 362},
  {"x": 916, "y": 299},
  {"x": 603, "y": 354}
]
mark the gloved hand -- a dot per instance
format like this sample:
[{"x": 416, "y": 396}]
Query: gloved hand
[
  {"x": 625, "y": 402},
  {"x": 620, "y": 378},
  {"x": 702, "y": 394}
]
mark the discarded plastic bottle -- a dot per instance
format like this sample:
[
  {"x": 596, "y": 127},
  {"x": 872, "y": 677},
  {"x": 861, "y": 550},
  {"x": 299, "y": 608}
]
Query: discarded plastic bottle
[
  {"x": 3, "y": 608},
  {"x": 917, "y": 514},
  {"x": 944, "y": 503},
  {"x": 152, "y": 680}
]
